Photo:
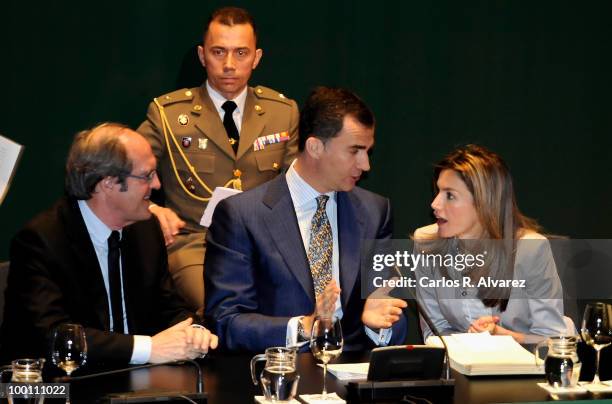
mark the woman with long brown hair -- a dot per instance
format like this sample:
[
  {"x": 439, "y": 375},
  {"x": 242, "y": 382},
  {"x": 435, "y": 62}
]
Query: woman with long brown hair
[{"x": 511, "y": 286}]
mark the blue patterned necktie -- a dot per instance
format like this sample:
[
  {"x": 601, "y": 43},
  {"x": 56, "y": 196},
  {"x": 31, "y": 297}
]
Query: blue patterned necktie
[{"x": 321, "y": 245}]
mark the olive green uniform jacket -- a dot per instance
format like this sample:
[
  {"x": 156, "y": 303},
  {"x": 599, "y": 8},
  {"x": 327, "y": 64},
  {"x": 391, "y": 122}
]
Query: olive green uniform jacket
[{"x": 195, "y": 131}]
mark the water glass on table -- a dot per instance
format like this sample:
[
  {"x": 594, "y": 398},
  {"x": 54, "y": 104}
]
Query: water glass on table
[
  {"x": 69, "y": 347},
  {"x": 326, "y": 343},
  {"x": 596, "y": 330}
]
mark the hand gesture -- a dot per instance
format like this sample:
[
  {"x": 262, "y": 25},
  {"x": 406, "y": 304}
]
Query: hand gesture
[
  {"x": 382, "y": 310},
  {"x": 168, "y": 220},
  {"x": 326, "y": 301},
  {"x": 325, "y": 306}
]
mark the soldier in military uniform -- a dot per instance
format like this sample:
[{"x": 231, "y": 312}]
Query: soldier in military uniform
[{"x": 223, "y": 133}]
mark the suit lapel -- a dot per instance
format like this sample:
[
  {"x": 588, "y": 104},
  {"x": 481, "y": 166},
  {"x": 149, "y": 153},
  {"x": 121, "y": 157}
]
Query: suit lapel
[
  {"x": 283, "y": 227},
  {"x": 253, "y": 123},
  {"x": 350, "y": 233},
  {"x": 284, "y": 230},
  {"x": 87, "y": 267},
  {"x": 211, "y": 125}
]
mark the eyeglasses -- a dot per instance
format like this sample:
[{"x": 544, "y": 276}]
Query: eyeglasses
[{"x": 147, "y": 177}]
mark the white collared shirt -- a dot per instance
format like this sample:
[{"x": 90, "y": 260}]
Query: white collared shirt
[
  {"x": 99, "y": 234},
  {"x": 304, "y": 201},
  {"x": 218, "y": 101}
]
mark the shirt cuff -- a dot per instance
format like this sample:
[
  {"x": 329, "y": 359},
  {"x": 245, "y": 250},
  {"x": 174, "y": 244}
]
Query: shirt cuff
[
  {"x": 142, "y": 349},
  {"x": 292, "y": 333},
  {"x": 380, "y": 338}
]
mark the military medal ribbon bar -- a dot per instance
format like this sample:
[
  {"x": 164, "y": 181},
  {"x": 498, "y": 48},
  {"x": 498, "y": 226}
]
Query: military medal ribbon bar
[{"x": 261, "y": 142}]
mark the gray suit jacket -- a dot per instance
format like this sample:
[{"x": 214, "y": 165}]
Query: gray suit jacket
[{"x": 535, "y": 310}]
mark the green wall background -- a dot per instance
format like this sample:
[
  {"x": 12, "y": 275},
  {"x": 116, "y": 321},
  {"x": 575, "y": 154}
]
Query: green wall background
[{"x": 529, "y": 79}]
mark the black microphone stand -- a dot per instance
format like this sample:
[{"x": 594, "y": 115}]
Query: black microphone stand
[
  {"x": 146, "y": 396},
  {"x": 446, "y": 375}
]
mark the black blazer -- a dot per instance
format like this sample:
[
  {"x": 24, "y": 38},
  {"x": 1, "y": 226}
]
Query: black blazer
[{"x": 55, "y": 278}]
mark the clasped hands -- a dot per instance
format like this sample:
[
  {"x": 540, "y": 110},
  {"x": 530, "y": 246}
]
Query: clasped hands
[
  {"x": 181, "y": 341},
  {"x": 485, "y": 323},
  {"x": 490, "y": 324}
]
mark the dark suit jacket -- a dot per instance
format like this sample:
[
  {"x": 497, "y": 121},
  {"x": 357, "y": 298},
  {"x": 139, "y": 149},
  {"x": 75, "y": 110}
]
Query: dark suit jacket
[
  {"x": 257, "y": 274},
  {"x": 55, "y": 278}
]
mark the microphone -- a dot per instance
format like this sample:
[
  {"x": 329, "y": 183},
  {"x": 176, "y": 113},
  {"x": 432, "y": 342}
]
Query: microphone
[
  {"x": 431, "y": 326},
  {"x": 143, "y": 396},
  {"x": 437, "y": 386}
]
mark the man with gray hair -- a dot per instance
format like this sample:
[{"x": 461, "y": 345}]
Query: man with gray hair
[{"x": 98, "y": 259}]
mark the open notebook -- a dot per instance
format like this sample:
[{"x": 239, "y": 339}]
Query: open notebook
[{"x": 485, "y": 354}]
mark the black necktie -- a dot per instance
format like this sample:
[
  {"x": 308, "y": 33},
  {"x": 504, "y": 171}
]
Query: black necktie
[
  {"x": 114, "y": 281},
  {"x": 230, "y": 125}
]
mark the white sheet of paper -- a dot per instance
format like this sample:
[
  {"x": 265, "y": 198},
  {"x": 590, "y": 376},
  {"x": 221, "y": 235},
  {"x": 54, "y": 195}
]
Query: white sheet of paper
[
  {"x": 9, "y": 156},
  {"x": 332, "y": 398},
  {"x": 219, "y": 194},
  {"x": 349, "y": 371}
]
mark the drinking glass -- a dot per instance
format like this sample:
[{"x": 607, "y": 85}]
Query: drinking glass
[
  {"x": 326, "y": 344},
  {"x": 69, "y": 347},
  {"x": 596, "y": 329}
]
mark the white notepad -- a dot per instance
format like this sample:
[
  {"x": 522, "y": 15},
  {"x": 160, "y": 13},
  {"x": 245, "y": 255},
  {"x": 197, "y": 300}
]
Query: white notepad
[{"x": 480, "y": 354}]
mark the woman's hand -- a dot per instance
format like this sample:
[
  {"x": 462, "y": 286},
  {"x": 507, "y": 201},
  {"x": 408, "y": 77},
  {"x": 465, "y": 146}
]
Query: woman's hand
[
  {"x": 489, "y": 323},
  {"x": 485, "y": 323}
]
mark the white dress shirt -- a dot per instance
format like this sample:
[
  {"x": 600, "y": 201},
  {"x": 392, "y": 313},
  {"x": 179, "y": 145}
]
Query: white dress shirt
[
  {"x": 304, "y": 202},
  {"x": 99, "y": 234},
  {"x": 218, "y": 100}
]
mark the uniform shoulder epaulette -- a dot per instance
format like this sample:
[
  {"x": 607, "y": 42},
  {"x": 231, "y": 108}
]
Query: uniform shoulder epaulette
[
  {"x": 184, "y": 94},
  {"x": 262, "y": 92}
]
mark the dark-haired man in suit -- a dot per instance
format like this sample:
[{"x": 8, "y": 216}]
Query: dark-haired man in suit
[
  {"x": 289, "y": 250},
  {"x": 98, "y": 259}
]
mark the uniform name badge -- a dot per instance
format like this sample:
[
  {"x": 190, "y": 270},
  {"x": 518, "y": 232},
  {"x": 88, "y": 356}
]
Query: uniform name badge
[{"x": 261, "y": 142}]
